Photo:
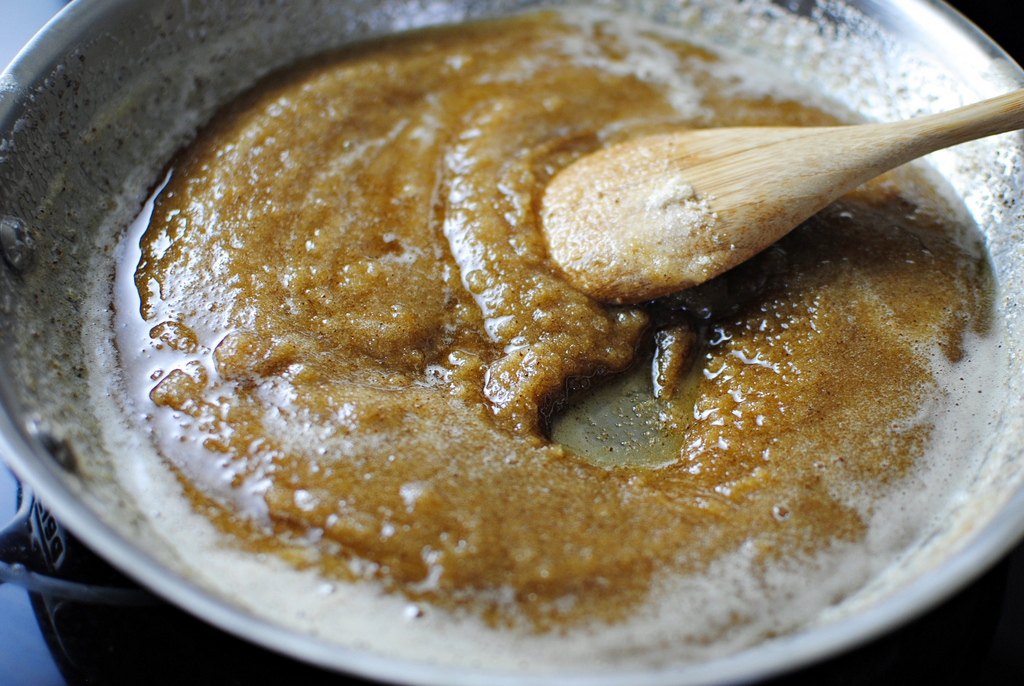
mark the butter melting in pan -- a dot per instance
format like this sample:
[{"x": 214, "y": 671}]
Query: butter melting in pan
[{"x": 363, "y": 341}]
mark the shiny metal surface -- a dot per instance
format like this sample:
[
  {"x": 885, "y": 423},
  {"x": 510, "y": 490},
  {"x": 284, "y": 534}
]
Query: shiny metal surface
[{"x": 102, "y": 99}]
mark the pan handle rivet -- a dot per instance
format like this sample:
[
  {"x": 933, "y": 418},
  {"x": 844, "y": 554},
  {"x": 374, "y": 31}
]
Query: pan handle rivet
[{"x": 15, "y": 242}]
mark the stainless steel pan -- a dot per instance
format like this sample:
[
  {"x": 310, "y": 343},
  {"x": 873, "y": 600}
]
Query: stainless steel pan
[{"x": 98, "y": 103}]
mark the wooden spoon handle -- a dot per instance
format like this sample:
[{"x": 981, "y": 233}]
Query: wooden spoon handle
[{"x": 936, "y": 131}]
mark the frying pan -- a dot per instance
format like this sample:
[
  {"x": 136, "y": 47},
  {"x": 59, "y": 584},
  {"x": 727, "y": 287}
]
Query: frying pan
[{"x": 95, "y": 107}]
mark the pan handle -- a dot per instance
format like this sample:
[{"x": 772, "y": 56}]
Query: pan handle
[{"x": 34, "y": 554}]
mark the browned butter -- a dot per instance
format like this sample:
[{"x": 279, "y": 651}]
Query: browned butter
[{"x": 360, "y": 335}]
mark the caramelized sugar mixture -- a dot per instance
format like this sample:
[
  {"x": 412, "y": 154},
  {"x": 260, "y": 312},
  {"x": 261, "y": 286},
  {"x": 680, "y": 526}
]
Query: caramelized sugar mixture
[{"x": 362, "y": 337}]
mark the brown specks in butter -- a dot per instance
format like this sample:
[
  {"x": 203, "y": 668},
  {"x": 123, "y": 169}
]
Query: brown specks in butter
[{"x": 348, "y": 265}]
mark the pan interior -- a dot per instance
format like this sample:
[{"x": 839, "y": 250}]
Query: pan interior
[{"x": 126, "y": 103}]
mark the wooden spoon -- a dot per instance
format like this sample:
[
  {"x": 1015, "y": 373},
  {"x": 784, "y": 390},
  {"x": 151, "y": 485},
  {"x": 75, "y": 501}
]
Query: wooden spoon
[{"x": 662, "y": 213}]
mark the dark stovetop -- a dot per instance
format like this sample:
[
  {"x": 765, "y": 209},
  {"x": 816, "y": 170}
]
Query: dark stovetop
[{"x": 53, "y": 638}]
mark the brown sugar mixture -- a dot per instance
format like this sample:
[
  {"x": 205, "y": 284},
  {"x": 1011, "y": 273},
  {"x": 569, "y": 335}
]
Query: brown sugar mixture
[{"x": 363, "y": 344}]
